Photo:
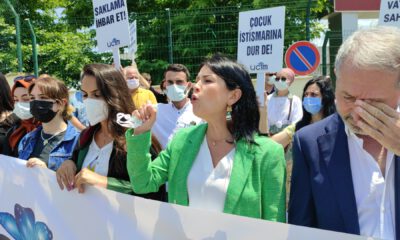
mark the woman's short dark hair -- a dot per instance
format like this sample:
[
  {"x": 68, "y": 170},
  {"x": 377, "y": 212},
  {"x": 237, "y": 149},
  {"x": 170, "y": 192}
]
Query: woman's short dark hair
[
  {"x": 6, "y": 101},
  {"x": 112, "y": 86},
  {"x": 245, "y": 113},
  {"x": 328, "y": 99}
]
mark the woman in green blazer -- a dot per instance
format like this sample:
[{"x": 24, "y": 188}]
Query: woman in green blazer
[{"x": 223, "y": 165}]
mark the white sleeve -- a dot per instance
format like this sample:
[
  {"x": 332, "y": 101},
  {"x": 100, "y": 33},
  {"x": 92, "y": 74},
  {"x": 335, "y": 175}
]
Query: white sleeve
[{"x": 297, "y": 110}]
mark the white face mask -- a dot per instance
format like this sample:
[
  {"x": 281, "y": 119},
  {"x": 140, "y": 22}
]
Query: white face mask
[
  {"x": 281, "y": 85},
  {"x": 133, "y": 83},
  {"x": 271, "y": 80},
  {"x": 176, "y": 93},
  {"x": 22, "y": 110},
  {"x": 96, "y": 110}
]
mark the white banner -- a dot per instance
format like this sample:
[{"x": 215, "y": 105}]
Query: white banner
[
  {"x": 260, "y": 39},
  {"x": 32, "y": 205},
  {"x": 133, "y": 41},
  {"x": 390, "y": 13},
  {"x": 112, "y": 24}
]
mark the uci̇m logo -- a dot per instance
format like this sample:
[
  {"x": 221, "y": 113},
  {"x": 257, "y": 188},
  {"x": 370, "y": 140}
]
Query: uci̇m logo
[
  {"x": 259, "y": 66},
  {"x": 114, "y": 42}
]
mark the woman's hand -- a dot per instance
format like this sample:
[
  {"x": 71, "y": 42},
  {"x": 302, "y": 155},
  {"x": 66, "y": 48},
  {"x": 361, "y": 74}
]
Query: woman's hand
[
  {"x": 147, "y": 114},
  {"x": 32, "y": 162},
  {"x": 86, "y": 176},
  {"x": 65, "y": 175}
]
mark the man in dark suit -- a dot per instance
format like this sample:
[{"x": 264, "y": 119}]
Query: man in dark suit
[{"x": 346, "y": 173}]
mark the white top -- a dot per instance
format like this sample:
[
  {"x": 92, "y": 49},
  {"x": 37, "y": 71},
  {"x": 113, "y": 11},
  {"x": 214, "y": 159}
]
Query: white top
[
  {"x": 374, "y": 193},
  {"x": 207, "y": 186},
  {"x": 278, "y": 110},
  {"x": 170, "y": 120},
  {"x": 97, "y": 159}
]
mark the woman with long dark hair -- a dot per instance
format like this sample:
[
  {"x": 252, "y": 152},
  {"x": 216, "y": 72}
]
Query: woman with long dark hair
[
  {"x": 6, "y": 101},
  {"x": 7, "y": 119},
  {"x": 318, "y": 101},
  {"x": 222, "y": 165},
  {"x": 100, "y": 156}
]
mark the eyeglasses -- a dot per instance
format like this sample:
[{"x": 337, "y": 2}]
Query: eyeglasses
[{"x": 28, "y": 78}]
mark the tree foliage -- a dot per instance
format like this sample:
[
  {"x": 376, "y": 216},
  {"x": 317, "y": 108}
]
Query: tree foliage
[
  {"x": 62, "y": 49},
  {"x": 198, "y": 28}
]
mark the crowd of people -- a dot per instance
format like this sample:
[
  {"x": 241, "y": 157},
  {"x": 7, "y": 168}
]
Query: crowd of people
[{"x": 210, "y": 144}]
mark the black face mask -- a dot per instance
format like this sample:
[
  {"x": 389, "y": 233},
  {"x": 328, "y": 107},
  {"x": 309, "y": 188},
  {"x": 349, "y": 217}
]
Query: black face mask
[{"x": 42, "y": 110}]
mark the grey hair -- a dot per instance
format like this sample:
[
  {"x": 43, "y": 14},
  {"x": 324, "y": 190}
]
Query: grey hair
[
  {"x": 375, "y": 48},
  {"x": 132, "y": 68}
]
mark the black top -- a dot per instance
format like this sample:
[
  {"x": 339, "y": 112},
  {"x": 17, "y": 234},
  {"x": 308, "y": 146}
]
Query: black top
[
  {"x": 42, "y": 150},
  {"x": 117, "y": 165},
  {"x": 161, "y": 98},
  {"x": 5, "y": 126}
]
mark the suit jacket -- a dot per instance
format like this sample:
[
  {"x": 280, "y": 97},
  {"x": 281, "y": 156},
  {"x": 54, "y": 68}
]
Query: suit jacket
[
  {"x": 257, "y": 184},
  {"x": 322, "y": 193}
]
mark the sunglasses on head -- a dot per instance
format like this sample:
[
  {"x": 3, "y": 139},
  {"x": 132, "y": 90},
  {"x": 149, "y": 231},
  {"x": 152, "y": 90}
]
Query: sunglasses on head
[
  {"x": 270, "y": 74},
  {"x": 27, "y": 78}
]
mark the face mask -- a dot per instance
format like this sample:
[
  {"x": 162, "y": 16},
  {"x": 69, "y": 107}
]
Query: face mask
[
  {"x": 281, "y": 85},
  {"x": 312, "y": 104},
  {"x": 176, "y": 93},
  {"x": 42, "y": 110},
  {"x": 22, "y": 110},
  {"x": 96, "y": 110},
  {"x": 271, "y": 80},
  {"x": 133, "y": 83}
]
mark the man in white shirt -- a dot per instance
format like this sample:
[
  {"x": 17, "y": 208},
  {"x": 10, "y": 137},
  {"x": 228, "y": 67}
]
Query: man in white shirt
[
  {"x": 346, "y": 170},
  {"x": 178, "y": 113}
]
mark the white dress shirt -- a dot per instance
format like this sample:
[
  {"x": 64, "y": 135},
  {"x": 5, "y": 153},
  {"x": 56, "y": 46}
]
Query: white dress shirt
[
  {"x": 170, "y": 120},
  {"x": 207, "y": 185},
  {"x": 97, "y": 159},
  {"x": 278, "y": 110},
  {"x": 374, "y": 193}
]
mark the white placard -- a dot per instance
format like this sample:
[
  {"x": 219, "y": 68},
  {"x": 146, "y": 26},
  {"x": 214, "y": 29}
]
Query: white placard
[
  {"x": 33, "y": 207},
  {"x": 112, "y": 24},
  {"x": 133, "y": 41},
  {"x": 389, "y": 14},
  {"x": 260, "y": 39}
]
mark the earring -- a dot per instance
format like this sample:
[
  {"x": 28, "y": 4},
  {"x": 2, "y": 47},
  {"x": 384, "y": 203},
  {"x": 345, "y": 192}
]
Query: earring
[{"x": 229, "y": 113}]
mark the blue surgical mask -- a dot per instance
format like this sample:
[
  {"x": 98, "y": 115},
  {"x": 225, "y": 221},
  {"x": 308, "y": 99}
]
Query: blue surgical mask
[
  {"x": 176, "y": 93},
  {"x": 312, "y": 104}
]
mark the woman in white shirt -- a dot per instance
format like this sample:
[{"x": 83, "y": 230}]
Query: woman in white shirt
[
  {"x": 284, "y": 109},
  {"x": 222, "y": 165},
  {"x": 99, "y": 158}
]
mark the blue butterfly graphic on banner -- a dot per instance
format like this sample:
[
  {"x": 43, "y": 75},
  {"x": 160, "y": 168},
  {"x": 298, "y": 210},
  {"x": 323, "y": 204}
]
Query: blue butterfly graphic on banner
[{"x": 23, "y": 226}]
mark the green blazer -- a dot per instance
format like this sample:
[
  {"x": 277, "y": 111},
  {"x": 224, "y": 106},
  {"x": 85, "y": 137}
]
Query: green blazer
[{"x": 257, "y": 184}]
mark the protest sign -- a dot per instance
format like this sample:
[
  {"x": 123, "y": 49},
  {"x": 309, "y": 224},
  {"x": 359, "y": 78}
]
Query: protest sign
[
  {"x": 260, "y": 39},
  {"x": 112, "y": 25},
  {"x": 133, "y": 40},
  {"x": 389, "y": 14}
]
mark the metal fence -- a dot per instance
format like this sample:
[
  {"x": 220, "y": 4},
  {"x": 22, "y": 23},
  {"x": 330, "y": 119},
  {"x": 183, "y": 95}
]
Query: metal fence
[{"x": 170, "y": 36}]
